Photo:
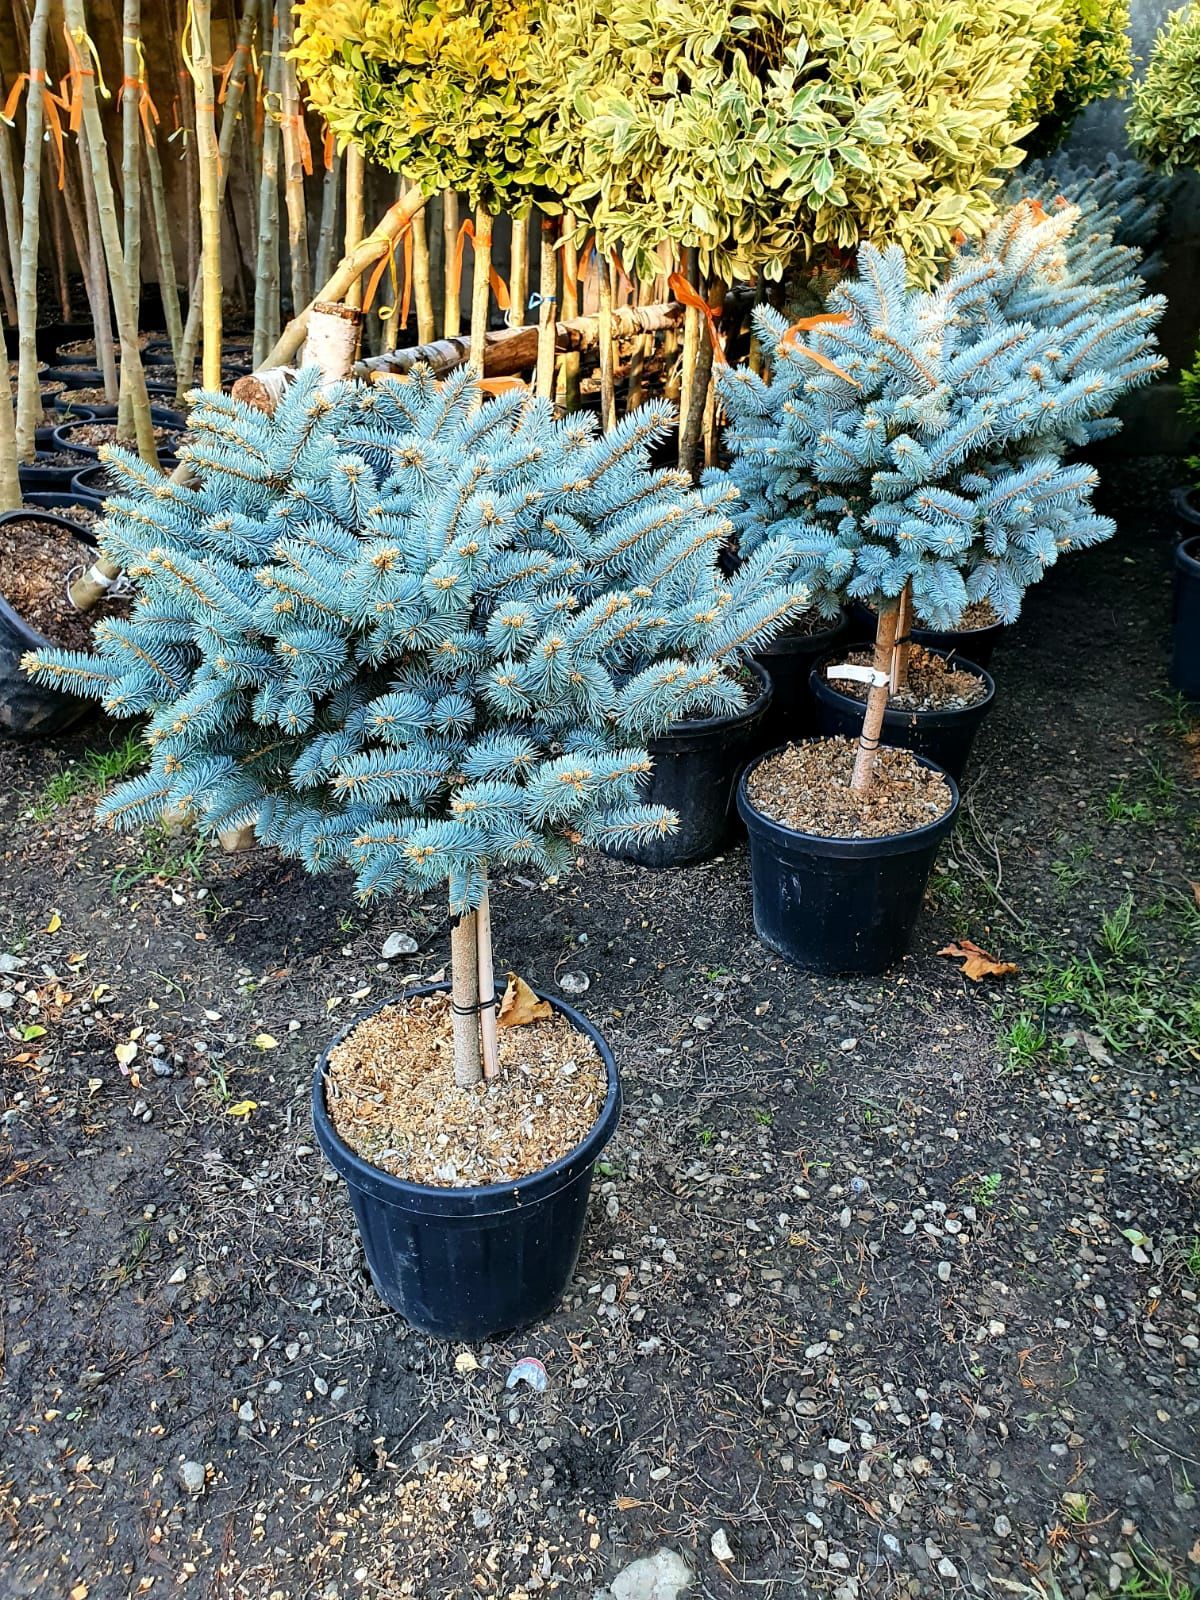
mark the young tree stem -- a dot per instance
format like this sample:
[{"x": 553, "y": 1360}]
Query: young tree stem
[
  {"x": 877, "y": 698},
  {"x": 569, "y": 367},
  {"x": 199, "y": 63},
  {"x": 608, "y": 381},
  {"x": 422, "y": 279},
  {"x": 266, "y": 282},
  {"x": 356, "y": 167},
  {"x": 518, "y": 277},
  {"x": 29, "y": 394},
  {"x": 481, "y": 287},
  {"x": 487, "y": 988},
  {"x": 547, "y": 304},
  {"x": 464, "y": 992}
]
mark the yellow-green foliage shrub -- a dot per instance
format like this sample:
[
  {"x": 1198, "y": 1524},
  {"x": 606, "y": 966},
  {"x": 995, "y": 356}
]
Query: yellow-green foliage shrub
[
  {"x": 1088, "y": 59},
  {"x": 1164, "y": 124},
  {"x": 443, "y": 92},
  {"x": 756, "y": 130}
]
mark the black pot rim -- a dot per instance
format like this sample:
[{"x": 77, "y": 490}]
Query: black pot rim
[
  {"x": 491, "y": 1199},
  {"x": 42, "y": 506},
  {"x": 930, "y": 717},
  {"x": 91, "y": 452},
  {"x": 842, "y": 845},
  {"x": 1187, "y": 555},
  {"x": 30, "y": 637},
  {"x": 1185, "y": 497},
  {"x": 681, "y": 731},
  {"x": 790, "y": 643}
]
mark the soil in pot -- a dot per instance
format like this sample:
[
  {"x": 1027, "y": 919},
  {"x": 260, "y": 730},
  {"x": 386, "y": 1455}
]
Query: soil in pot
[
  {"x": 98, "y": 434},
  {"x": 391, "y": 1095},
  {"x": 36, "y": 561},
  {"x": 935, "y": 683},
  {"x": 838, "y": 875},
  {"x": 788, "y": 659},
  {"x": 77, "y": 348},
  {"x": 807, "y": 787}
]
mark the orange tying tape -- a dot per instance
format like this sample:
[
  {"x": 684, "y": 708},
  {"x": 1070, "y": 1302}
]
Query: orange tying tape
[
  {"x": 686, "y": 295},
  {"x": 499, "y": 287},
  {"x": 790, "y": 343}
]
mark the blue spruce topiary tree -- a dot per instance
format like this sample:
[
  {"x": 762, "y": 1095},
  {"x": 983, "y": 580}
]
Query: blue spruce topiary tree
[
  {"x": 910, "y": 445},
  {"x": 411, "y": 634}
]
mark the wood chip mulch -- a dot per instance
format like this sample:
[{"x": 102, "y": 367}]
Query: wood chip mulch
[
  {"x": 933, "y": 685},
  {"x": 36, "y": 560},
  {"x": 807, "y": 787},
  {"x": 392, "y": 1097}
]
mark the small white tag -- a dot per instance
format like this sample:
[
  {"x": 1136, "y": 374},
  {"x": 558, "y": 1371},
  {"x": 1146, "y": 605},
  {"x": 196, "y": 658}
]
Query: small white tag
[
  {"x": 870, "y": 675},
  {"x": 99, "y": 579}
]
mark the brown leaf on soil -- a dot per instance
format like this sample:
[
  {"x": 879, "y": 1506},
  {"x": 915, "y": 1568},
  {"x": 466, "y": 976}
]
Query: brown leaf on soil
[
  {"x": 520, "y": 1005},
  {"x": 1195, "y": 888},
  {"x": 976, "y": 963}
]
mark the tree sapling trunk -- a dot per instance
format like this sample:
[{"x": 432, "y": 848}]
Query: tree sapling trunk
[
  {"x": 547, "y": 307},
  {"x": 266, "y": 282},
  {"x": 131, "y": 188},
  {"x": 452, "y": 288},
  {"x": 355, "y": 175},
  {"x": 608, "y": 377},
  {"x": 464, "y": 996},
  {"x": 29, "y": 393},
  {"x": 900, "y": 654},
  {"x": 877, "y": 697},
  {"x": 199, "y": 63},
  {"x": 481, "y": 286}
]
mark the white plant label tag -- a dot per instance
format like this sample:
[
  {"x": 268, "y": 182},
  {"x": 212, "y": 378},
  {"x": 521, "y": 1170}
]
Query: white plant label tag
[{"x": 870, "y": 675}]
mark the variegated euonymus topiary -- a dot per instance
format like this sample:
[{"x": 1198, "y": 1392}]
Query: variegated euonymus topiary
[
  {"x": 761, "y": 131},
  {"x": 1164, "y": 122},
  {"x": 1089, "y": 58},
  {"x": 916, "y": 439},
  {"x": 412, "y": 635}
]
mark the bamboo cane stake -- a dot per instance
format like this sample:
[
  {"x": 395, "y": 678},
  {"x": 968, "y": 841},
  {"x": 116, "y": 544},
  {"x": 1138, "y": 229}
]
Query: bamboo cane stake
[
  {"x": 164, "y": 249},
  {"x": 518, "y": 277},
  {"x": 547, "y": 292},
  {"x": 10, "y": 476},
  {"x": 608, "y": 386},
  {"x": 481, "y": 287},
  {"x": 266, "y": 278},
  {"x": 293, "y": 164},
  {"x": 331, "y": 186},
  {"x": 570, "y": 308},
  {"x": 29, "y": 394},
  {"x": 422, "y": 279},
  {"x": 903, "y": 649},
  {"x": 198, "y": 58},
  {"x": 106, "y": 353},
  {"x": 464, "y": 995},
  {"x": 877, "y": 698},
  {"x": 452, "y": 289},
  {"x": 356, "y": 167},
  {"x": 111, "y": 234},
  {"x": 487, "y": 988}
]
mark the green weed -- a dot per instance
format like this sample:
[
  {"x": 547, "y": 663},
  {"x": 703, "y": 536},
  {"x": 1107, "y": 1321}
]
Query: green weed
[
  {"x": 1118, "y": 937},
  {"x": 1154, "y": 1579},
  {"x": 1022, "y": 1040},
  {"x": 986, "y": 1191},
  {"x": 91, "y": 774},
  {"x": 1119, "y": 810},
  {"x": 166, "y": 856}
]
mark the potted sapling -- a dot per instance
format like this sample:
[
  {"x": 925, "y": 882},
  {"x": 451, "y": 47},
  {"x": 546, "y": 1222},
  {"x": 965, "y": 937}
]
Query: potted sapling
[
  {"x": 918, "y": 438},
  {"x": 912, "y": 449},
  {"x": 427, "y": 640}
]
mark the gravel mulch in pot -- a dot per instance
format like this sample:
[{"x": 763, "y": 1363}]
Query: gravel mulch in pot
[
  {"x": 806, "y": 786},
  {"x": 98, "y": 434},
  {"x": 392, "y": 1097},
  {"x": 36, "y": 561},
  {"x": 933, "y": 684}
]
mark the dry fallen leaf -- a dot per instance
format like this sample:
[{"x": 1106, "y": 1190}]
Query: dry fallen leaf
[
  {"x": 54, "y": 924},
  {"x": 464, "y": 1361},
  {"x": 241, "y": 1108},
  {"x": 520, "y": 1005},
  {"x": 976, "y": 963},
  {"x": 125, "y": 1052},
  {"x": 1195, "y": 888},
  {"x": 264, "y": 1041}
]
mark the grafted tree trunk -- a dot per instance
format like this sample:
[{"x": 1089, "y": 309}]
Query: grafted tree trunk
[
  {"x": 10, "y": 479},
  {"x": 293, "y": 164},
  {"x": 422, "y": 279},
  {"x": 608, "y": 383},
  {"x": 199, "y": 61},
  {"x": 481, "y": 287},
  {"x": 570, "y": 308},
  {"x": 518, "y": 277},
  {"x": 266, "y": 281},
  {"x": 29, "y": 394},
  {"x": 877, "y": 698},
  {"x": 111, "y": 235},
  {"x": 547, "y": 304},
  {"x": 131, "y": 188},
  {"x": 452, "y": 287}
]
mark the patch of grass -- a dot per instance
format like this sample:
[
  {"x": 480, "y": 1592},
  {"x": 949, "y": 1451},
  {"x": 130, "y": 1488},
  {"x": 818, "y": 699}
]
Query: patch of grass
[
  {"x": 1023, "y": 1040},
  {"x": 1192, "y": 1259},
  {"x": 706, "y": 1136},
  {"x": 91, "y": 774},
  {"x": 1180, "y": 716},
  {"x": 987, "y": 1191},
  {"x": 763, "y": 1118},
  {"x": 1119, "y": 810},
  {"x": 165, "y": 856},
  {"x": 1070, "y": 872},
  {"x": 1153, "y": 1578},
  {"x": 1118, "y": 936}
]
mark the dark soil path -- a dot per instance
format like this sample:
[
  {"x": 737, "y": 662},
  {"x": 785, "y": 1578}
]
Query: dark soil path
[{"x": 893, "y": 1282}]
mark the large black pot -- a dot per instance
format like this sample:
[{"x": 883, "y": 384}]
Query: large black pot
[
  {"x": 64, "y": 439},
  {"x": 696, "y": 766},
  {"x": 92, "y": 482},
  {"x": 1185, "y": 632},
  {"x": 56, "y": 502},
  {"x": 945, "y": 737},
  {"x": 29, "y": 710},
  {"x": 41, "y": 477},
  {"x": 471, "y": 1263},
  {"x": 838, "y": 905},
  {"x": 788, "y": 660},
  {"x": 1186, "y": 505},
  {"x": 973, "y": 644}
]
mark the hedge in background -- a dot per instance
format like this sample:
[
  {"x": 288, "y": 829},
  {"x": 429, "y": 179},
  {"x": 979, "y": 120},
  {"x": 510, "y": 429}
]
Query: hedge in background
[{"x": 1164, "y": 125}]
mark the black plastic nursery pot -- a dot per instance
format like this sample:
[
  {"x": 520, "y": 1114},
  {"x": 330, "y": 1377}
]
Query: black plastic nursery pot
[
  {"x": 163, "y": 416},
  {"x": 50, "y": 503},
  {"x": 945, "y": 737},
  {"x": 1185, "y": 632},
  {"x": 788, "y": 660},
  {"x": 973, "y": 644},
  {"x": 839, "y": 905},
  {"x": 92, "y": 482},
  {"x": 696, "y": 766},
  {"x": 475, "y": 1262},
  {"x": 41, "y": 477},
  {"x": 65, "y": 439},
  {"x": 1186, "y": 505},
  {"x": 29, "y": 710}
]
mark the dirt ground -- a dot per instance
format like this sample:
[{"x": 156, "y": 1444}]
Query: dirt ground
[{"x": 889, "y": 1284}]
